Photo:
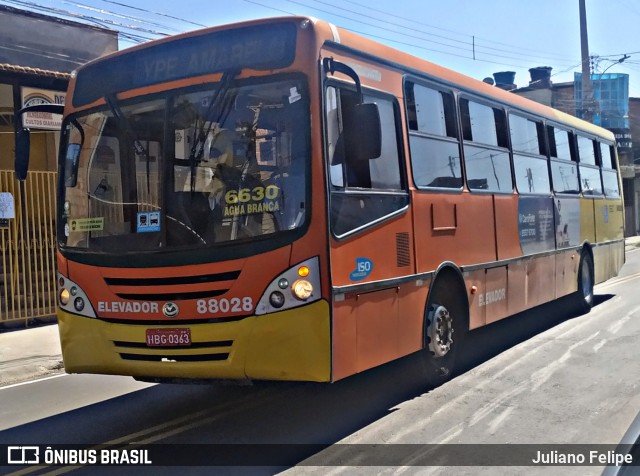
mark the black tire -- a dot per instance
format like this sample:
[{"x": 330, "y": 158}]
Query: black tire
[
  {"x": 445, "y": 329},
  {"x": 583, "y": 298}
]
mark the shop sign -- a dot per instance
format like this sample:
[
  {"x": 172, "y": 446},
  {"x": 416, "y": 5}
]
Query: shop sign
[{"x": 42, "y": 120}]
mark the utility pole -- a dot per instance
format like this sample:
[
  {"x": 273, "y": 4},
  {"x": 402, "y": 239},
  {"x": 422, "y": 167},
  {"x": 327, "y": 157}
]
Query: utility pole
[{"x": 587, "y": 88}]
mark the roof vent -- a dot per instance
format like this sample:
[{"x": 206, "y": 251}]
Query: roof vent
[
  {"x": 540, "y": 77},
  {"x": 505, "y": 80}
]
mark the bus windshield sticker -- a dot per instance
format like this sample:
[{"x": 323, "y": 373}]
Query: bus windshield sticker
[
  {"x": 148, "y": 222},
  {"x": 249, "y": 201},
  {"x": 86, "y": 224},
  {"x": 364, "y": 266},
  {"x": 294, "y": 95}
]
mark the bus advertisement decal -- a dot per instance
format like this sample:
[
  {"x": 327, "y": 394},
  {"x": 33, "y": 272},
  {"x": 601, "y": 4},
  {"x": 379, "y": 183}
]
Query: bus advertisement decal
[
  {"x": 535, "y": 224},
  {"x": 567, "y": 211},
  {"x": 364, "y": 266}
]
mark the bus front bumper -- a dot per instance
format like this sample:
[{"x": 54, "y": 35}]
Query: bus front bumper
[{"x": 290, "y": 345}]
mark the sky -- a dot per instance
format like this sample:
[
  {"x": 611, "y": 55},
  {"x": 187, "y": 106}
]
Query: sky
[{"x": 474, "y": 37}]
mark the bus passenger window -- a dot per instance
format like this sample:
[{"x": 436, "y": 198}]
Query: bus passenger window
[
  {"x": 606, "y": 160},
  {"x": 610, "y": 185},
  {"x": 356, "y": 200},
  {"x": 561, "y": 141},
  {"x": 564, "y": 171},
  {"x": 530, "y": 166},
  {"x": 586, "y": 151},
  {"x": 435, "y": 153},
  {"x": 486, "y": 156},
  {"x": 590, "y": 182}
]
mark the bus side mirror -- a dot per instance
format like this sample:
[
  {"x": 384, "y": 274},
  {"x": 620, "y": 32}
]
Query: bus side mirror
[
  {"x": 362, "y": 132},
  {"x": 22, "y": 154},
  {"x": 22, "y": 138}
]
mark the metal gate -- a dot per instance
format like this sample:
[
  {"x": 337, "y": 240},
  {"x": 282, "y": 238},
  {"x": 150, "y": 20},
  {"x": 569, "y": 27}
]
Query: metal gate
[{"x": 27, "y": 243}]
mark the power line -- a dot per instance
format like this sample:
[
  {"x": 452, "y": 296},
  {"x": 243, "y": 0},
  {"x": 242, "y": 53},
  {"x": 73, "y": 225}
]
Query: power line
[
  {"x": 520, "y": 48},
  {"x": 154, "y": 13},
  {"x": 467, "y": 42},
  {"x": 119, "y": 15},
  {"x": 88, "y": 18},
  {"x": 388, "y": 29}
]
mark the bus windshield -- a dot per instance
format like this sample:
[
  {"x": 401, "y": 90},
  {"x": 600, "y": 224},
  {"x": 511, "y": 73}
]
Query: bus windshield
[{"x": 190, "y": 168}]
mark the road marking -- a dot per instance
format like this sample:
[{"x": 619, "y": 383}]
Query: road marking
[
  {"x": 539, "y": 377},
  {"x": 619, "y": 280},
  {"x": 492, "y": 378},
  {"x": 170, "y": 428},
  {"x": 29, "y": 382},
  {"x": 616, "y": 326},
  {"x": 497, "y": 421},
  {"x": 599, "y": 345}
]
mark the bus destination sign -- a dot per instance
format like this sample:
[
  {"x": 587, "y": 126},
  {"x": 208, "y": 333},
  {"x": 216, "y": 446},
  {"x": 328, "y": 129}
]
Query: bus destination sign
[{"x": 258, "y": 47}]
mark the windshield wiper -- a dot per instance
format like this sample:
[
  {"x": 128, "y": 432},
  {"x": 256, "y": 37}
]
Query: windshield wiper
[
  {"x": 140, "y": 149},
  {"x": 220, "y": 100}
]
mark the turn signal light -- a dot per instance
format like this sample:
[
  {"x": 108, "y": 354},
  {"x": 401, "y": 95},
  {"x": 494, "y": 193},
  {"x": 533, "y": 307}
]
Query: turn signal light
[{"x": 303, "y": 271}]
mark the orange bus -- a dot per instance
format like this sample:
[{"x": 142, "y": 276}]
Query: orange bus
[{"x": 283, "y": 199}]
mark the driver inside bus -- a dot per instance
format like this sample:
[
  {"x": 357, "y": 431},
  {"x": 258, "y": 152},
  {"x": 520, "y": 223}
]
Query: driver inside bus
[{"x": 219, "y": 150}]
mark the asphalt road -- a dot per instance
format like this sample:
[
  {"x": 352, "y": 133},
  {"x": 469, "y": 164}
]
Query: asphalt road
[{"x": 543, "y": 377}]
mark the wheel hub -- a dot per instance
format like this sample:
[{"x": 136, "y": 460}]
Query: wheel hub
[{"x": 440, "y": 331}]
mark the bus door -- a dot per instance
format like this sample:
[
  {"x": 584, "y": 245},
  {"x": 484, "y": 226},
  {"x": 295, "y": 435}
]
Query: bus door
[{"x": 371, "y": 237}]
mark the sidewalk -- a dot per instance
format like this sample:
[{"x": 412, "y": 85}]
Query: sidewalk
[
  {"x": 27, "y": 354},
  {"x": 631, "y": 243}
]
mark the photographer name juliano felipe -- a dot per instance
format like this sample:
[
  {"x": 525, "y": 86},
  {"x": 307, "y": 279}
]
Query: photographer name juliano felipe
[{"x": 590, "y": 457}]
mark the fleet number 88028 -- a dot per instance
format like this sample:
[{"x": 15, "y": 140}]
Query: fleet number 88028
[{"x": 224, "y": 305}]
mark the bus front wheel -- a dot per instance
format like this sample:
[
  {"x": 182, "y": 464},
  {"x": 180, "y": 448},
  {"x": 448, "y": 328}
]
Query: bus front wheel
[{"x": 445, "y": 328}]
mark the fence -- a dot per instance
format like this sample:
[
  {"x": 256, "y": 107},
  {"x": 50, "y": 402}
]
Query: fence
[{"x": 28, "y": 263}]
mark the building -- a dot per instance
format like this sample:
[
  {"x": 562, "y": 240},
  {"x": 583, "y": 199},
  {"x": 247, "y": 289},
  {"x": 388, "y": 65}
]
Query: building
[{"x": 37, "y": 55}]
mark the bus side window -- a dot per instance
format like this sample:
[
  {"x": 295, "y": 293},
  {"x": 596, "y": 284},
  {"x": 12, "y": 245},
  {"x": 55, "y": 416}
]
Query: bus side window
[
  {"x": 354, "y": 201},
  {"x": 611, "y": 187},
  {"x": 486, "y": 156},
  {"x": 435, "y": 151},
  {"x": 529, "y": 156},
  {"x": 564, "y": 171},
  {"x": 590, "y": 182}
]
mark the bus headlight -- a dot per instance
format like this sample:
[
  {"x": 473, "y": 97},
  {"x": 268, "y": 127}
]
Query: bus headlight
[
  {"x": 276, "y": 299},
  {"x": 78, "y": 303},
  {"x": 72, "y": 298},
  {"x": 296, "y": 286},
  {"x": 302, "y": 289},
  {"x": 65, "y": 295}
]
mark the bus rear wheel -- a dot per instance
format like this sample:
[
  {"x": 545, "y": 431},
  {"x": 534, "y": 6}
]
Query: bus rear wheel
[
  {"x": 444, "y": 331},
  {"x": 583, "y": 298}
]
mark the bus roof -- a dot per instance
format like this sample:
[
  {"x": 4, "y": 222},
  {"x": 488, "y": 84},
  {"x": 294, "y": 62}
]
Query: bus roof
[
  {"x": 359, "y": 45},
  {"x": 410, "y": 63}
]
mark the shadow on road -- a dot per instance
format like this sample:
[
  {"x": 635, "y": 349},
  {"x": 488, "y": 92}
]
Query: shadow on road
[
  {"x": 294, "y": 414},
  {"x": 487, "y": 342}
]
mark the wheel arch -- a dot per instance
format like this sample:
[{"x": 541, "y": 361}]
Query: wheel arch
[{"x": 447, "y": 277}]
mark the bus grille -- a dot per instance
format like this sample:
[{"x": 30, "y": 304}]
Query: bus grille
[
  {"x": 142, "y": 289},
  {"x": 175, "y": 358}
]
